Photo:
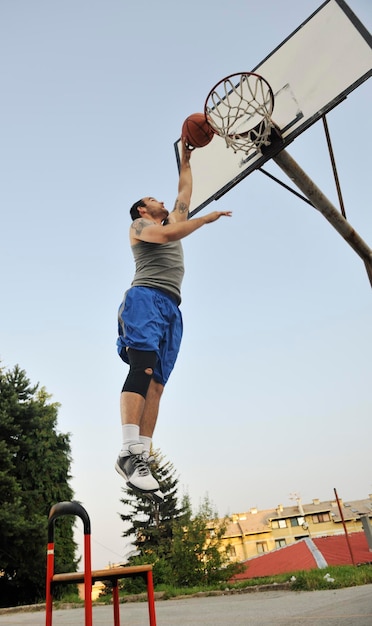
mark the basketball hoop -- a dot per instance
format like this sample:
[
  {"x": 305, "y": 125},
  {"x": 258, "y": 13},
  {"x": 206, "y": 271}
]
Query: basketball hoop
[{"x": 239, "y": 110}]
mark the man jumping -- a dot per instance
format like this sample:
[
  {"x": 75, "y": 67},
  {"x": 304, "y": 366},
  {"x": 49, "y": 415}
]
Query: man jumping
[{"x": 150, "y": 322}]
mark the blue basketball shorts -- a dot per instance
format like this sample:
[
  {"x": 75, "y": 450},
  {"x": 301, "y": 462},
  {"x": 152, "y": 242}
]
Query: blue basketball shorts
[{"x": 150, "y": 320}]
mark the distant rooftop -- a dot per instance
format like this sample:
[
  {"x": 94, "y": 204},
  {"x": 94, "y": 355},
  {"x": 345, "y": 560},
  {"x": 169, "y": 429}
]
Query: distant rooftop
[{"x": 256, "y": 521}]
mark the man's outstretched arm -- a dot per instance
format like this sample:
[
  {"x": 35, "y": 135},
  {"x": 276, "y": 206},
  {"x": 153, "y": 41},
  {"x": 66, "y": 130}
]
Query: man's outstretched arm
[
  {"x": 181, "y": 207},
  {"x": 145, "y": 230}
]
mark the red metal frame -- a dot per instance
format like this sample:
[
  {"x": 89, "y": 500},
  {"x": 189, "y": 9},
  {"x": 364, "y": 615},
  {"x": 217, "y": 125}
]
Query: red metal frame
[
  {"x": 88, "y": 576},
  {"x": 69, "y": 508}
]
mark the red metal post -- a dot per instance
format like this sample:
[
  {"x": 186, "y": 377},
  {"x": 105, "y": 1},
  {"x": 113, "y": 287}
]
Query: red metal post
[
  {"x": 151, "y": 598},
  {"x": 345, "y": 529},
  {"x": 87, "y": 581},
  {"x": 59, "y": 509},
  {"x": 49, "y": 576},
  {"x": 115, "y": 602}
]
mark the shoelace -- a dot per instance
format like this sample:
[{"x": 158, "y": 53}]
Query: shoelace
[{"x": 140, "y": 465}]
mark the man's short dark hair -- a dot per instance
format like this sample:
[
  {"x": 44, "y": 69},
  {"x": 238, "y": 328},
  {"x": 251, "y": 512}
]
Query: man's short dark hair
[{"x": 134, "y": 210}]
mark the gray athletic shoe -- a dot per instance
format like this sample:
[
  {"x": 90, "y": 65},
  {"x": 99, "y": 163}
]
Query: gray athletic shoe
[
  {"x": 155, "y": 496},
  {"x": 135, "y": 470}
]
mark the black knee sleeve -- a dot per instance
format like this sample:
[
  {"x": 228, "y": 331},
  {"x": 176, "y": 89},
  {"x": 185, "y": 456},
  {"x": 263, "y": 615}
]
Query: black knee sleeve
[{"x": 142, "y": 366}]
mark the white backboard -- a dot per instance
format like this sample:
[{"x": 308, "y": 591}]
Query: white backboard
[{"x": 312, "y": 71}]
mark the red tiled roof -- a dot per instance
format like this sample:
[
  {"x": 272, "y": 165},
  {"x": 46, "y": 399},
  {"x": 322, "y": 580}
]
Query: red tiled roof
[{"x": 298, "y": 556}]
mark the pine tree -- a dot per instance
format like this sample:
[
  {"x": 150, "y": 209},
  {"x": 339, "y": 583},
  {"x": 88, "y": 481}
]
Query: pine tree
[
  {"x": 34, "y": 473},
  {"x": 150, "y": 525},
  {"x": 185, "y": 550}
]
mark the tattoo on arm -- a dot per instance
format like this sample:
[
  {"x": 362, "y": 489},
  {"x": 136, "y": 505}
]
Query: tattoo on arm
[
  {"x": 138, "y": 226},
  {"x": 181, "y": 207}
]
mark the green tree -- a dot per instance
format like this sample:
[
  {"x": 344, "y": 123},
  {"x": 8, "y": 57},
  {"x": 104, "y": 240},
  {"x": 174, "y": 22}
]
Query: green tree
[
  {"x": 35, "y": 465},
  {"x": 198, "y": 555},
  {"x": 150, "y": 525},
  {"x": 185, "y": 550}
]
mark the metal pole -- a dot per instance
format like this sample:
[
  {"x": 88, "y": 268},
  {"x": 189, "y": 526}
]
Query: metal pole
[
  {"x": 334, "y": 168},
  {"x": 367, "y": 530},
  {"x": 345, "y": 529},
  {"x": 326, "y": 208}
]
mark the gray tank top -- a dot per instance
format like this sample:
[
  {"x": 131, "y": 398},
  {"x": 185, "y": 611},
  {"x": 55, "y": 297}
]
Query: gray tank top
[{"x": 159, "y": 265}]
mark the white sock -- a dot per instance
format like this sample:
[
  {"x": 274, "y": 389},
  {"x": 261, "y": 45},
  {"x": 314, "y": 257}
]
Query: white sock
[
  {"x": 146, "y": 443},
  {"x": 130, "y": 435}
]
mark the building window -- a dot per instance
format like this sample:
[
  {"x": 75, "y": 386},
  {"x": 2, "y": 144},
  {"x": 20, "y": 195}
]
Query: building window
[
  {"x": 279, "y": 523},
  {"x": 321, "y": 517},
  {"x": 297, "y": 521},
  {"x": 279, "y": 543},
  {"x": 231, "y": 551},
  {"x": 261, "y": 547}
]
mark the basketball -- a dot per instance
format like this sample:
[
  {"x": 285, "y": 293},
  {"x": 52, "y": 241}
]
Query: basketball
[{"x": 196, "y": 131}]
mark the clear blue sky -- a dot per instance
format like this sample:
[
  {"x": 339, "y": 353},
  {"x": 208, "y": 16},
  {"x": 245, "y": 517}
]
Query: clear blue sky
[{"x": 271, "y": 394}]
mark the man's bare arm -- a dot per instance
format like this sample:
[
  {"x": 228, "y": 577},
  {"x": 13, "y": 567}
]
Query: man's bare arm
[
  {"x": 181, "y": 207},
  {"x": 145, "y": 230},
  {"x": 137, "y": 227}
]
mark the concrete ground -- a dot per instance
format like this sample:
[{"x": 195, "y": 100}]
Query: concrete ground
[{"x": 340, "y": 607}]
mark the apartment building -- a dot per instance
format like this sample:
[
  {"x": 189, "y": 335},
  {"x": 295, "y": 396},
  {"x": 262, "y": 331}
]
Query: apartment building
[{"x": 256, "y": 532}]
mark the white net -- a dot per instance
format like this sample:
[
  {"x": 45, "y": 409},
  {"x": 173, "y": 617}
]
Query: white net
[{"x": 239, "y": 109}]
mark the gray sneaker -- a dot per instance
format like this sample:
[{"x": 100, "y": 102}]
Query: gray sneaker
[
  {"x": 155, "y": 496},
  {"x": 134, "y": 469}
]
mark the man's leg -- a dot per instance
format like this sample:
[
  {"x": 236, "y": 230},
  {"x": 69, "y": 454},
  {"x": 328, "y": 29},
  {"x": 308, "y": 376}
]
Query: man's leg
[
  {"x": 131, "y": 407},
  {"x": 147, "y": 426},
  {"x": 134, "y": 409},
  {"x": 130, "y": 463},
  {"x": 150, "y": 409}
]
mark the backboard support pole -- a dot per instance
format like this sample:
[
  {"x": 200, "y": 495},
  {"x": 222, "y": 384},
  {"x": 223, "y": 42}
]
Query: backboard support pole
[
  {"x": 334, "y": 167},
  {"x": 320, "y": 202}
]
